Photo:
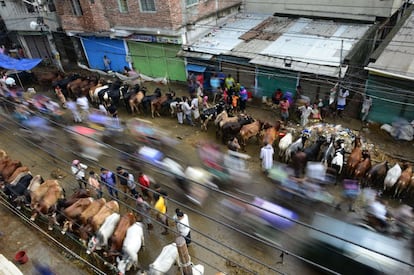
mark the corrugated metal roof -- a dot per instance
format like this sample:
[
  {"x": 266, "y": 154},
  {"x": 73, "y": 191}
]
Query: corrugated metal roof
[
  {"x": 398, "y": 56},
  {"x": 225, "y": 38},
  {"x": 312, "y": 44}
]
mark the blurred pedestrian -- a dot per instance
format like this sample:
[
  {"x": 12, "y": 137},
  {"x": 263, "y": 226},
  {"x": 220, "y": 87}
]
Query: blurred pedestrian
[
  {"x": 122, "y": 177},
  {"x": 144, "y": 183},
  {"x": 350, "y": 193},
  {"x": 215, "y": 84},
  {"x": 144, "y": 210},
  {"x": 366, "y": 106},
  {"x": 108, "y": 178},
  {"x": 94, "y": 184},
  {"x": 183, "y": 225},
  {"x": 266, "y": 155},
  {"x": 161, "y": 208},
  {"x": 78, "y": 170},
  {"x": 83, "y": 103},
  {"x": 71, "y": 105}
]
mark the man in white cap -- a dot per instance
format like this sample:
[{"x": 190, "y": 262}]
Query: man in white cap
[{"x": 78, "y": 170}]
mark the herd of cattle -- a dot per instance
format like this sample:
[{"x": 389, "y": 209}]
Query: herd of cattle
[{"x": 97, "y": 222}]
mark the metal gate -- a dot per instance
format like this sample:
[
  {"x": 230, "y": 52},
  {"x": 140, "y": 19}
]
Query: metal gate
[{"x": 38, "y": 46}]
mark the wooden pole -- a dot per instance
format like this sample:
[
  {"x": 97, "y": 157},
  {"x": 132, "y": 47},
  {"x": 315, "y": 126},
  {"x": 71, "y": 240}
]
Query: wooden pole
[{"x": 185, "y": 261}]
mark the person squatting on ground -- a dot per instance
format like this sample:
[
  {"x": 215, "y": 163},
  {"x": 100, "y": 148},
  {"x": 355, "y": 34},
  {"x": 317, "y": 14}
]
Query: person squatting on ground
[
  {"x": 78, "y": 170},
  {"x": 366, "y": 106},
  {"x": 93, "y": 182},
  {"x": 183, "y": 225},
  {"x": 161, "y": 208},
  {"x": 266, "y": 155},
  {"x": 144, "y": 210},
  {"x": 108, "y": 178}
]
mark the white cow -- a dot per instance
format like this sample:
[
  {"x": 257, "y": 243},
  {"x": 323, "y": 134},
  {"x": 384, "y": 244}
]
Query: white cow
[
  {"x": 164, "y": 261},
  {"x": 104, "y": 233},
  {"x": 392, "y": 176},
  {"x": 132, "y": 244}
]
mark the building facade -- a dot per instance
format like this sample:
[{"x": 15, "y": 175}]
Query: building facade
[{"x": 145, "y": 34}]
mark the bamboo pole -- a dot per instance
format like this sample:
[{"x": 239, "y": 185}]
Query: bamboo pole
[{"x": 185, "y": 261}]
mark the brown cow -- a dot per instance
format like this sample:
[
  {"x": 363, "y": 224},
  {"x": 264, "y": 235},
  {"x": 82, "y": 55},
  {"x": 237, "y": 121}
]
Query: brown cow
[
  {"x": 354, "y": 158},
  {"x": 74, "y": 211},
  {"x": 404, "y": 180},
  {"x": 363, "y": 166},
  {"x": 18, "y": 173},
  {"x": 249, "y": 130},
  {"x": 109, "y": 208},
  {"x": 38, "y": 190},
  {"x": 47, "y": 205},
  {"x": 9, "y": 167},
  {"x": 119, "y": 234},
  {"x": 376, "y": 174},
  {"x": 86, "y": 216}
]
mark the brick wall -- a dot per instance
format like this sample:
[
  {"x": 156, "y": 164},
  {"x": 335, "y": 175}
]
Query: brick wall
[{"x": 104, "y": 14}]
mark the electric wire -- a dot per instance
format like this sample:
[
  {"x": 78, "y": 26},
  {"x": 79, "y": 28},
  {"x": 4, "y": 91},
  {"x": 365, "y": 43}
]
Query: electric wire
[{"x": 284, "y": 217}]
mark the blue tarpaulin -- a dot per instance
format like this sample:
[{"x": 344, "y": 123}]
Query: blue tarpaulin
[
  {"x": 196, "y": 68},
  {"x": 22, "y": 64}
]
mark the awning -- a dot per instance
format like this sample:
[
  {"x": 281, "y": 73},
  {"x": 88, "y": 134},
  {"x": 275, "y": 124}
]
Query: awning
[
  {"x": 198, "y": 55},
  {"x": 196, "y": 68},
  {"x": 22, "y": 64}
]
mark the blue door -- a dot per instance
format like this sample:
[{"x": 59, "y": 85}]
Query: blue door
[{"x": 97, "y": 47}]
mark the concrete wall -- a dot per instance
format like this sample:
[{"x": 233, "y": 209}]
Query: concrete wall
[
  {"x": 17, "y": 18},
  {"x": 367, "y": 10}
]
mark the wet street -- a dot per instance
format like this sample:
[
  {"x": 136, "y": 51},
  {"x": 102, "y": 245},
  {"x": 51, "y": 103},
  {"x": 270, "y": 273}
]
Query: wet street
[{"x": 218, "y": 242}]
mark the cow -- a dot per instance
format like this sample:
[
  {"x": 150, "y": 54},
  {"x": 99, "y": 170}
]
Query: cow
[
  {"x": 87, "y": 214},
  {"x": 18, "y": 190},
  {"x": 94, "y": 222},
  {"x": 284, "y": 143},
  {"x": 9, "y": 167},
  {"x": 393, "y": 174},
  {"x": 132, "y": 244},
  {"x": 17, "y": 174},
  {"x": 363, "y": 166},
  {"x": 231, "y": 129},
  {"x": 249, "y": 130},
  {"x": 376, "y": 175},
  {"x": 119, "y": 234},
  {"x": 164, "y": 261},
  {"x": 208, "y": 114},
  {"x": 294, "y": 147},
  {"x": 354, "y": 158},
  {"x": 404, "y": 180},
  {"x": 73, "y": 212},
  {"x": 47, "y": 204},
  {"x": 104, "y": 233},
  {"x": 38, "y": 190}
]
